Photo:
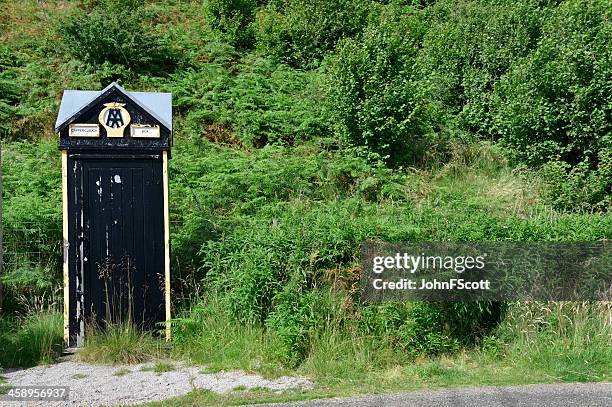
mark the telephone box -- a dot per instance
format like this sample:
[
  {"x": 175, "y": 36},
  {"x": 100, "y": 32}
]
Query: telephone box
[{"x": 115, "y": 147}]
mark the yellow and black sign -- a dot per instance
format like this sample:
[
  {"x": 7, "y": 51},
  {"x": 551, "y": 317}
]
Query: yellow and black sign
[{"x": 114, "y": 118}]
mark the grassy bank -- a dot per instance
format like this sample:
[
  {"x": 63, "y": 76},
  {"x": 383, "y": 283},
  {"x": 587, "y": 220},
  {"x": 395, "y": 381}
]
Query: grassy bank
[
  {"x": 304, "y": 211},
  {"x": 536, "y": 343}
]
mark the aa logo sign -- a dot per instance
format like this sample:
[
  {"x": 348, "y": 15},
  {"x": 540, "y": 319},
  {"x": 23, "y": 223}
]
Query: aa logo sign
[{"x": 114, "y": 118}]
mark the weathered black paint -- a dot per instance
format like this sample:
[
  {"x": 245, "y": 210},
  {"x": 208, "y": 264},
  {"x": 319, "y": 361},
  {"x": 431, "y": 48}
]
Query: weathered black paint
[{"x": 115, "y": 223}]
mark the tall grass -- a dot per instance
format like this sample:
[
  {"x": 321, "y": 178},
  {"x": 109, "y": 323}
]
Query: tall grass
[
  {"x": 537, "y": 342},
  {"x": 30, "y": 340},
  {"x": 568, "y": 341},
  {"x": 120, "y": 343},
  {"x": 207, "y": 334}
]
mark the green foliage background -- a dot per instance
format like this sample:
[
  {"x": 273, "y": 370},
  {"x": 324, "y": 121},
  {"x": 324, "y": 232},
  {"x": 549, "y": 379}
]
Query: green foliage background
[{"x": 303, "y": 128}]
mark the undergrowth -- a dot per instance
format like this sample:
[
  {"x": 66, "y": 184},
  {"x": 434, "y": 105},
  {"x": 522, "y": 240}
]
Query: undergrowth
[
  {"x": 31, "y": 340},
  {"x": 120, "y": 343}
]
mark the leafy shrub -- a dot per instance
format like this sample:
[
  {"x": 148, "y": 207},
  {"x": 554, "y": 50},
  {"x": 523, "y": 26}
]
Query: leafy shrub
[
  {"x": 29, "y": 90},
  {"x": 283, "y": 243},
  {"x": 9, "y": 90},
  {"x": 374, "y": 98},
  {"x": 415, "y": 328},
  {"x": 554, "y": 106},
  {"x": 296, "y": 316},
  {"x": 580, "y": 187},
  {"x": 300, "y": 32},
  {"x": 556, "y": 103},
  {"x": 115, "y": 33},
  {"x": 29, "y": 288},
  {"x": 213, "y": 186},
  {"x": 210, "y": 177},
  {"x": 468, "y": 47},
  {"x": 257, "y": 104},
  {"x": 233, "y": 17},
  {"x": 271, "y": 264},
  {"x": 470, "y": 321},
  {"x": 429, "y": 328},
  {"x": 32, "y": 198},
  {"x": 32, "y": 231}
]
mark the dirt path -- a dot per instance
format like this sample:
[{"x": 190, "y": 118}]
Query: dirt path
[{"x": 100, "y": 385}]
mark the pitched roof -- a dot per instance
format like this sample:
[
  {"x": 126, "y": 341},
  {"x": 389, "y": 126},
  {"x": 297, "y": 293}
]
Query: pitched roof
[{"x": 74, "y": 102}]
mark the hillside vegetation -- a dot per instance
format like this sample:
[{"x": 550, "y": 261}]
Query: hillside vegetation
[{"x": 301, "y": 129}]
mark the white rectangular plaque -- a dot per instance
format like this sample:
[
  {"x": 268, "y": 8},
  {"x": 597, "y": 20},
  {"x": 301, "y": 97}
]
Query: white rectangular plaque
[
  {"x": 144, "y": 131},
  {"x": 84, "y": 130}
]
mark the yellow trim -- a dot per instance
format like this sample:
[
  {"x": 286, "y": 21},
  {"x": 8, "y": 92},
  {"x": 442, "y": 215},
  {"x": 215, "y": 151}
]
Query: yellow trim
[
  {"x": 65, "y": 246},
  {"x": 166, "y": 242}
]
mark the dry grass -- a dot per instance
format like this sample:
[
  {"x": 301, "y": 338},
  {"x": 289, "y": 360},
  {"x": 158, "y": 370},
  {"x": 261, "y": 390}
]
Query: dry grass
[{"x": 25, "y": 20}]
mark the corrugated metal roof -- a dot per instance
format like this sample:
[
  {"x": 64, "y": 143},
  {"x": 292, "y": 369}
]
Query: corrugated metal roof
[{"x": 157, "y": 104}]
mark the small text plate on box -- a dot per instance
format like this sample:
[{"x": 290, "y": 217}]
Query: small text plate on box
[
  {"x": 84, "y": 130},
  {"x": 144, "y": 131}
]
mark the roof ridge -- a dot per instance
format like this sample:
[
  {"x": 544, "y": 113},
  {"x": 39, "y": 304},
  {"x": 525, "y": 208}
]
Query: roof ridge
[{"x": 73, "y": 113}]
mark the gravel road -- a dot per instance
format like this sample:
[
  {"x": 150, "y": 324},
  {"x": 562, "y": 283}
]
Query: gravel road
[
  {"x": 537, "y": 395},
  {"x": 101, "y": 385}
]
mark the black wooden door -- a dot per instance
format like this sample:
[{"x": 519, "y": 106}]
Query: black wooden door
[{"x": 119, "y": 226}]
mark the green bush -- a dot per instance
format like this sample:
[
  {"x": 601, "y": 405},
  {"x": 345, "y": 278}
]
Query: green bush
[
  {"x": 469, "y": 321},
  {"x": 9, "y": 90},
  {"x": 29, "y": 288},
  {"x": 428, "y": 328},
  {"x": 212, "y": 187},
  {"x": 555, "y": 104},
  {"x": 32, "y": 213},
  {"x": 255, "y": 262},
  {"x": 29, "y": 90},
  {"x": 253, "y": 104},
  {"x": 114, "y": 36},
  {"x": 300, "y": 32},
  {"x": 553, "y": 108},
  {"x": 32, "y": 231},
  {"x": 580, "y": 187},
  {"x": 469, "y": 45},
  {"x": 233, "y": 18},
  {"x": 374, "y": 97},
  {"x": 296, "y": 317},
  {"x": 270, "y": 265},
  {"x": 416, "y": 329}
]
